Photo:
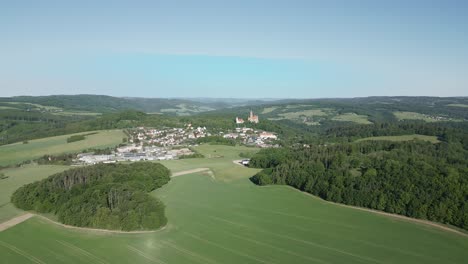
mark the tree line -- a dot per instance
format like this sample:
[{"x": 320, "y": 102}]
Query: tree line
[{"x": 416, "y": 179}]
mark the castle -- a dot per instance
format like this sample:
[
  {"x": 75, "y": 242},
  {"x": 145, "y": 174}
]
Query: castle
[{"x": 252, "y": 119}]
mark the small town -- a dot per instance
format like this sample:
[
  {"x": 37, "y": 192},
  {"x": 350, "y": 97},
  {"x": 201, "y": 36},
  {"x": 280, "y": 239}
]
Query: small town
[{"x": 152, "y": 144}]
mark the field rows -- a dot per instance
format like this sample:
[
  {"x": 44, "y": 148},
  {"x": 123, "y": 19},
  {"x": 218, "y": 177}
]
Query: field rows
[{"x": 230, "y": 220}]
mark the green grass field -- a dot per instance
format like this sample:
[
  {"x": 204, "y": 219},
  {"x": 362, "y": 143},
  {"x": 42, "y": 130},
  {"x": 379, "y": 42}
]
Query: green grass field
[
  {"x": 267, "y": 110},
  {"x": 18, "y": 152},
  {"x": 352, "y": 117},
  {"x": 458, "y": 105},
  {"x": 432, "y": 139},
  {"x": 230, "y": 220},
  {"x": 304, "y": 113}
]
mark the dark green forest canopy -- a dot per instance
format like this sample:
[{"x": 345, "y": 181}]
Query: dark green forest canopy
[
  {"x": 416, "y": 178},
  {"x": 109, "y": 196}
]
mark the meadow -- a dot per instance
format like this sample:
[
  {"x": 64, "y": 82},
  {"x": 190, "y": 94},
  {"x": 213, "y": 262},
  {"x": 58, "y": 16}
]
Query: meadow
[
  {"x": 223, "y": 218},
  {"x": 18, "y": 152},
  {"x": 458, "y": 105},
  {"x": 413, "y": 116},
  {"x": 352, "y": 117},
  {"x": 432, "y": 139}
]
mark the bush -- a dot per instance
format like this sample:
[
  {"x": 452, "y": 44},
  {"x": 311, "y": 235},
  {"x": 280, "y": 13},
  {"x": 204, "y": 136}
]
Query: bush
[{"x": 75, "y": 138}]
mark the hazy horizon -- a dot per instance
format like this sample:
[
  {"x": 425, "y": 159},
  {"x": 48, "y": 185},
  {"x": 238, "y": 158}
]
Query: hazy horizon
[
  {"x": 247, "y": 49},
  {"x": 237, "y": 98}
]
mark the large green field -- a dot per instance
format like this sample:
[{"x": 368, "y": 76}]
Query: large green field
[
  {"x": 227, "y": 219},
  {"x": 18, "y": 152},
  {"x": 432, "y": 139}
]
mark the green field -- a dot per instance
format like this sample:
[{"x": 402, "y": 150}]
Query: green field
[
  {"x": 267, "y": 110},
  {"x": 18, "y": 152},
  {"x": 304, "y": 113},
  {"x": 227, "y": 219},
  {"x": 458, "y": 105},
  {"x": 432, "y": 139},
  {"x": 426, "y": 118},
  {"x": 352, "y": 117}
]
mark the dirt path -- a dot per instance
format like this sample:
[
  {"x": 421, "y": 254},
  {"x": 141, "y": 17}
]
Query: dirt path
[
  {"x": 401, "y": 217},
  {"x": 238, "y": 162},
  {"x": 19, "y": 219},
  {"x": 15, "y": 221},
  {"x": 180, "y": 173},
  {"x": 99, "y": 230}
]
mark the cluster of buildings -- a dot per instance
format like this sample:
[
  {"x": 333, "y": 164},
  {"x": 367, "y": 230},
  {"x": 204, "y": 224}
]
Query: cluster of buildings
[
  {"x": 169, "y": 143},
  {"x": 252, "y": 119},
  {"x": 168, "y": 136},
  {"x": 249, "y": 136},
  {"x": 133, "y": 152}
]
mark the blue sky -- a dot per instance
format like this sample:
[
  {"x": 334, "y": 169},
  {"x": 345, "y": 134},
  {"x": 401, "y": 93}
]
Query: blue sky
[{"x": 275, "y": 49}]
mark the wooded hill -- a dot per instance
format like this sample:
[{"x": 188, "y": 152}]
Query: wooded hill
[
  {"x": 414, "y": 178},
  {"x": 108, "y": 196}
]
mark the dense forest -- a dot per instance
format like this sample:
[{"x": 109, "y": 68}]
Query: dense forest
[
  {"x": 109, "y": 196},
  {"x": 415, "y": 178}
]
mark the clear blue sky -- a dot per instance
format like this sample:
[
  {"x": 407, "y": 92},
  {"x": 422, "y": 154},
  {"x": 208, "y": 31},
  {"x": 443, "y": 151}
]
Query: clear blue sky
[{"x": 275, "y": 49}]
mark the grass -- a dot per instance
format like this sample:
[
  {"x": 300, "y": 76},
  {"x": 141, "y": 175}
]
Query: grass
[
  {"x": 458, "y": 105},
  {"x": 234, "y": 221},
  {"x": 267, "y": 110},
  {"x": 352, "y": 117},
  {"x": 18, "y": 152},
  {"x": 76, "y": 113},
  {"x": 432, "y": 139},
  {"x": 426, "y": 118},
  {"x": 18, "y": 177},
  {"x": 219, "y": 159},
  {"x": 184, "y": 109},
  {"x": 304, "y": 113}
]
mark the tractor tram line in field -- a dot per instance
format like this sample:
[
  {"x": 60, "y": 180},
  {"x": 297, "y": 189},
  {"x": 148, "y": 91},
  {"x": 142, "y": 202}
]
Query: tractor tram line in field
[{"x": 250, "y": 230}]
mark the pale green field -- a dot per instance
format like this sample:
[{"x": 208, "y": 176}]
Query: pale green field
[
  {"x": 7, "y": 107},
  {"x": 18, "y": 177},
  {"x": 18, "y": 152},
  {"x": 267, "y": 110},
  {"x": 458, "y": 105},
  {"x": 230, "y": 220},
  {"x": 184, "y": 109},
  {"x": 432, "y": 139},
  {"x": 352, "y": 117},
  {"x": 76, "y": 113},
  {"x": 304, "y": 113},
  {"x": 223, "y": 167},
  {"x": 38, "y": 106},
  {"x": 412, "y": 116}
]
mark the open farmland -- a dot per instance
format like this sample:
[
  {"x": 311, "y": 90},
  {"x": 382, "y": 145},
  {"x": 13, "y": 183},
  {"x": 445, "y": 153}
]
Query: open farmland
[
  {"x": 352, "y": 117},
  {"x": 18, "y": 152},
  {"x": 432, "y": 139},
  {"x": 227, "y": 219}
]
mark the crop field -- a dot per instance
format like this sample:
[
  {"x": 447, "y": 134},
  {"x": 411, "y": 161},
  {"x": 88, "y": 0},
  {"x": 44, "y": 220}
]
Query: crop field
[
  {"x": 304, "y": 113},
  {"x": 418, "y": 116},
  {"x": 227, "y": 219},
  {"x": 267, "y": 110},
  {"x": 184, "y": 109},
  {"x": 432, "y": 139},
  {"x": 76, "y": 113},
  {"x": 459, "y": 105},
  {"x": 352, "y": 117},
  {"x": 18, "y": 152}
]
